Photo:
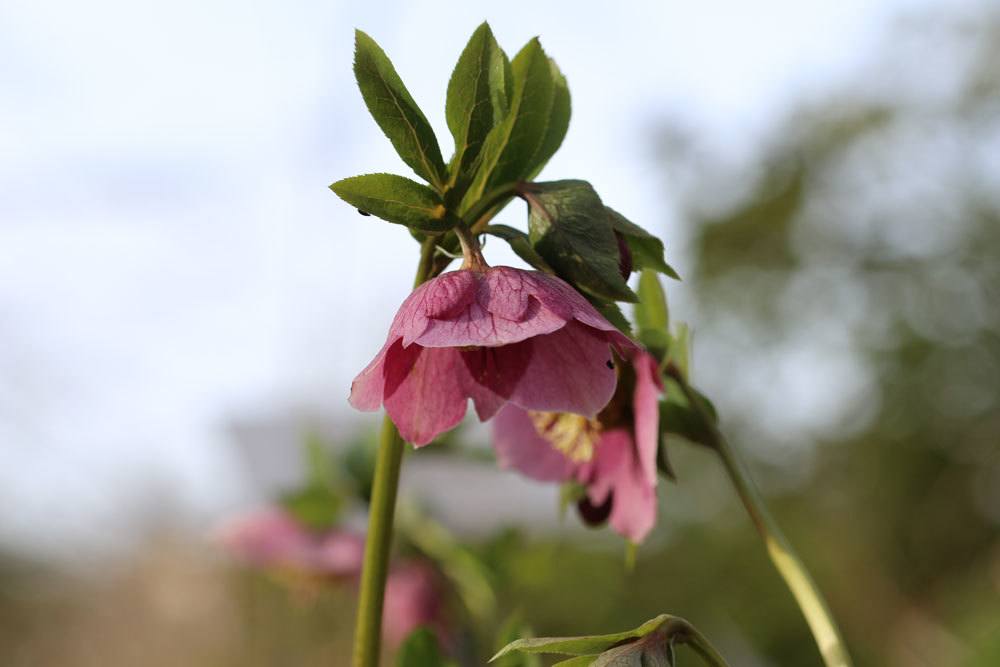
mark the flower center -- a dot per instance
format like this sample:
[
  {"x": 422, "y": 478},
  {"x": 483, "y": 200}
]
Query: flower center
[{"x": 573, "y": 435}]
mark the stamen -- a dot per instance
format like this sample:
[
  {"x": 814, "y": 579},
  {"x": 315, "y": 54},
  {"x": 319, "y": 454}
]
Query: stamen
[{"x": 573, "y": 435}]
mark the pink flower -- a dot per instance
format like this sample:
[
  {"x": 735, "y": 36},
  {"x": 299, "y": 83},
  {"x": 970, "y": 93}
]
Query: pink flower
[
  {"x": 613, "y": 456},
  {"x": 494, "y": 336},
  {"x": 413, "y": 597},
  {"x": 273, "y": 539}
]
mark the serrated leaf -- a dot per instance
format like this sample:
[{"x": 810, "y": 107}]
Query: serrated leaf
[
  {"x": 477, "y": 96},
  {"x": 647, "y": 250},
  {"x": 521, "y": 245},
  {"x": 589, "y": 645},
  {"x": 396, "y": 199},
  {"x": 421, "y": 649},
  {"x": 558, "y": 123},
  {"x": 510, "y": 146},
  {"x": 393, "y": 108},
  {"x": 568, "y": 227}
]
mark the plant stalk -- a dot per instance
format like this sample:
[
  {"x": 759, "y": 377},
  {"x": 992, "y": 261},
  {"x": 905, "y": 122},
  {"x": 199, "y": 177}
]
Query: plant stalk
[
  {"x": 807, "y": 595},
  {"x": 378, "y": 543}
]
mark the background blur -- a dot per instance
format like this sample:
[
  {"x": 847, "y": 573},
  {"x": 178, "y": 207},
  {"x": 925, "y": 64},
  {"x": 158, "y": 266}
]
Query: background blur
[{"x": 182, "y": 299}]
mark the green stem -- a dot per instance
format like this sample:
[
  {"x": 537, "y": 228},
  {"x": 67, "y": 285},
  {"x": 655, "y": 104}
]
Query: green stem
[
  {"x": 389, "y": 460},
  {"x": 786, "y": 561}
]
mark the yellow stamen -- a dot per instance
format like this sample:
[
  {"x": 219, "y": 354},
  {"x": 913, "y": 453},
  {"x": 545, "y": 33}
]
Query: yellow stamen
[{"x": 573, "y": 435}]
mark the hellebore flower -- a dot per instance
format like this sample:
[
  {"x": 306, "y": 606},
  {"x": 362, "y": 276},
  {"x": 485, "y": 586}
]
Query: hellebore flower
[
  {"x": 612, "y": 456},
  {"x": 495, "y": 335},
  {"x": 273, "y": 539},
  {"x": 413, "y": 597}
]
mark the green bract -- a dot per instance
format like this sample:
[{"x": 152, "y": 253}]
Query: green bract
[
  {"x": 395, "y": 111},
  {"x": 507, "y": 119},
  {"x": 569, "y": 228},
  {"x": 396, "y": 199}
]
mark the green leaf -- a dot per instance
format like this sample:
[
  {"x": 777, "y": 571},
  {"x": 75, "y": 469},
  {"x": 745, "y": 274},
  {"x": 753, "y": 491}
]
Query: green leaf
[
  {"x": 396, "y": 113},
  {"x": 396, "y": 199},
  {"x": 568, "y": 227},
  {"x": 511, "y": 146},
  {"x": 651, "y": 311},
  {"x": 513, "y": 628},
  {"x": 651, "y": 315},
  {"x": 520, "y": 244},
  {"x": 589, "y": 645},
  {"x": 647, "y": 250},
  {"x": 558, "y": 123},
  {"x": 420, "y": 649},
  {"x": 477, "y": 96},
  {"x": 579, "y": 661},
  {"x": 680, "y": 349}
]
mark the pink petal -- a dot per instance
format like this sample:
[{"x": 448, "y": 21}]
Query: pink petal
[
  {"x": 412, "y": 598},
  {"x": 445, "y": 297},
  {"x": 503, "y": 312},
  {"x": 633, "y": 512},
  {"x": 340, "y": 553},
  {"x": 368, "y": 387},
  {"x": 493, "y": 374},
  {"x": 519, "y": 446},
  {"x": 268, "y": 538},
  {"x": 646, "y": 409},
  {"x": 569, "y": 371},
  {"x": 423, "y": 390},
  {"x": 616, "y": 470},
  {"x": 601, "y": 474}
]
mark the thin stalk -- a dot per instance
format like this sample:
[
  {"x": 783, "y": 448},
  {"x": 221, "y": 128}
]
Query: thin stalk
[
  {"x": 388, "y": 462},
  {"x": 791, "y": 568}
]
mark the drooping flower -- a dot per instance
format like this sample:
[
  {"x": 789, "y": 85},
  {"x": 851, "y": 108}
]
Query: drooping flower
[
  {"x": 612, "y": 456},
  {"x": 272, "y": 539},
  {"x": 495, "y": 335}
]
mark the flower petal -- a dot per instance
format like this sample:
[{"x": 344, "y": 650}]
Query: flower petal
[
  {"x": 646, "y": 409},
  {"x": 368, "y": 387},
  {"x": 493, "y": 374},
  {"x": 616, "y": 470},
  {"x": 445, "y": 297},
  {"x": 519, "y": 446},
  {"x": 423, "y": 391},
  {"x": 570, "y": 370},
  {"x": 633, "y": 513},
  {"x": 503, "y": 312}
]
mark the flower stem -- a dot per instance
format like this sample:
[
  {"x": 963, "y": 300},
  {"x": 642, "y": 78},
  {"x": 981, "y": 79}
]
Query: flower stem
[
  {"x": 471, "y": 251},
  {"x": 388, "y": 462},
  {"x": 786, "y": 561}
]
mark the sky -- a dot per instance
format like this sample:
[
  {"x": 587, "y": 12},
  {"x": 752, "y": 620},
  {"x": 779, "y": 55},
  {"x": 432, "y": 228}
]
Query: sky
[{"x": 171, "y": 260}]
